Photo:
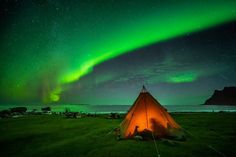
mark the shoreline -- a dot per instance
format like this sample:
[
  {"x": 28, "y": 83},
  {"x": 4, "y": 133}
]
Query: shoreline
[{"x": 122, "y": 109}]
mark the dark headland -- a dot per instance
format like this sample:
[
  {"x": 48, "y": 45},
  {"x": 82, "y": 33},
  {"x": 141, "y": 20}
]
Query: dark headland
[{"x": 227, "y": 96}]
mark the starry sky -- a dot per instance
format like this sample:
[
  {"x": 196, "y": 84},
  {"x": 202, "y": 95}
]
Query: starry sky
[{"x": 103, "y": 51}]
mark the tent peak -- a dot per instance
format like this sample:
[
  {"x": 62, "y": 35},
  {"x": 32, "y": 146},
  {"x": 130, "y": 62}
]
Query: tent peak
[{"x": 144, "y": 90}]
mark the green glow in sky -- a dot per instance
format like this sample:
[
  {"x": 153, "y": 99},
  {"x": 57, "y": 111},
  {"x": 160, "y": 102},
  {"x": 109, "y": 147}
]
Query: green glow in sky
[
  {"x": 182, "y": 77},
  {"x": 152, "y": 27},
  {"x": 54, "y": 95},
  {"x": 54, "y": 45}
]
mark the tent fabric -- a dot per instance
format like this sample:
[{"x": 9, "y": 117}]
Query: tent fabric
[{"x": 147, "y": 115}]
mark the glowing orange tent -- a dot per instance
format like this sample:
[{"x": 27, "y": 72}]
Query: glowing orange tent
[{"x": 147, "y": 115}]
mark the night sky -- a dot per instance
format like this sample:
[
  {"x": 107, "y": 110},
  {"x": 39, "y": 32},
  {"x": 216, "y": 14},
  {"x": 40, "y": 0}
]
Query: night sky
[{"x": 103, "y": 51}]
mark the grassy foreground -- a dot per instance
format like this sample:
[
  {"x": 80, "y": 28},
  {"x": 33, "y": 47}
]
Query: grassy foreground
[{"x": 48, "y": 135}]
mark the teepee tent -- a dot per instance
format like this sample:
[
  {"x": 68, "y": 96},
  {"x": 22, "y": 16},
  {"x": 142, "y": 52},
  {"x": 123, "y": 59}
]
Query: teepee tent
[{"x": 147, "y": 115}]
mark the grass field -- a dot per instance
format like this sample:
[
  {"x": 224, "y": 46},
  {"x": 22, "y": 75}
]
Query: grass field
[{"x": 48, "y": 135}]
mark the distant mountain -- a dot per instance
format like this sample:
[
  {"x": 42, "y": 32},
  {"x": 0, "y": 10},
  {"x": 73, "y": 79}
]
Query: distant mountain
[{"x": 227, "y": 96}]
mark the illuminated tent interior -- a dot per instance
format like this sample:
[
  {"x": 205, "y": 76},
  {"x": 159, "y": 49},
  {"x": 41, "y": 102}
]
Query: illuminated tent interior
[{"x": 148, "y": 116}]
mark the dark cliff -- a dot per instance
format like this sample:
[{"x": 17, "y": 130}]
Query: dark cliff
[{"x": 227, "y": 96}]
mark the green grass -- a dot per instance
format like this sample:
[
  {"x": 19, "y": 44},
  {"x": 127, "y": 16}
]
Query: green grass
[{"x": 47, "y": 135}]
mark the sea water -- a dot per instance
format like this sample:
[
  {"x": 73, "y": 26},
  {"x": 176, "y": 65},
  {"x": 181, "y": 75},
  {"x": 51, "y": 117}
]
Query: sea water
[{"x": 122, "y": 108}]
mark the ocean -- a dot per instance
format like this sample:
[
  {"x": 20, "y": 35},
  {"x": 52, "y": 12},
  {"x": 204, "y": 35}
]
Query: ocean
[{"x": 123, "y": 108}]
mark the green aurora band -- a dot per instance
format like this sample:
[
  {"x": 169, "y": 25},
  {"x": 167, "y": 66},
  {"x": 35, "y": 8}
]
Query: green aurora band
[
  {"x": 151, "y": 29},
  {"x": 123, "y": 32}
]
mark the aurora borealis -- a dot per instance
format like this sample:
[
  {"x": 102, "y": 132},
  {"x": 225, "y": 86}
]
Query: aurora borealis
[{"x": 101, "y": 52}]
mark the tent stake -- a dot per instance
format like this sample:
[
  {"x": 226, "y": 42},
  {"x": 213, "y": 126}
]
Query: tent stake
[{"x": 158, "y": 154}]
